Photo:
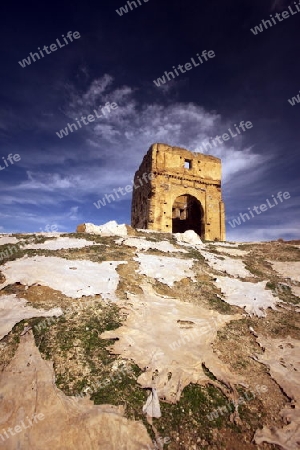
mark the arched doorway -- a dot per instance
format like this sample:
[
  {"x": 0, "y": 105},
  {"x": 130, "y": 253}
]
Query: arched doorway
[{"x": 187, "y": 214}]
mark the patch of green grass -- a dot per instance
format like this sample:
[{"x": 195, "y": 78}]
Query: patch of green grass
[
  {"x": 286, "y": 326},
  {"x": 240, "y": 364},
  {"x": 247, "y": 413},
  {"x": 219, "y": 305},
  {"x": 233, "y": 328},
  {"x": 151, "y": 239},
  {"x": 122, "y": 388},
  {"x": 245, "y": 246},
  {"x": 10, "y": 252},
  {"x": 10, "y": 343},
  {"x": 83, "y": 332},
  {"x": 222, "y": 335},
  {"x": 191, "y": 416},
  {"x": 254, "y": 270},
  {"x": 271, "y": 285},
  {"x": 283, "y": 291},
  {"x": 97, "y": 238},
  {"x": 193, "y": 254}
]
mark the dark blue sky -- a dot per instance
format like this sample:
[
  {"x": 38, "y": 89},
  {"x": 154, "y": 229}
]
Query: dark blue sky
[{"x": 116, "y": 59}]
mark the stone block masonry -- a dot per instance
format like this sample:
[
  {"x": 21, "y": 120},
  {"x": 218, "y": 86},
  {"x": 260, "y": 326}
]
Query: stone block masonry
[{"x": 184, "y": 193}]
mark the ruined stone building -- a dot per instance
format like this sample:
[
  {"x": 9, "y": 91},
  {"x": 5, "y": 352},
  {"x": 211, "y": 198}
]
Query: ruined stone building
[{"x": 182, "y": 193}]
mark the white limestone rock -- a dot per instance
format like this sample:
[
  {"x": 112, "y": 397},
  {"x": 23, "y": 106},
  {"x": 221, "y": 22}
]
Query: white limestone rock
[
  {"x": 165, "y": 268},
  {"x": 27, "y": 387},
  {"x": 14, "y": 309},
  {"x": 74, "y": 278},
  {"x": 61, "y": 243},
  {"x": 108, "y": 229},
  {"x": 171, "y": 338},
  {"x": 287, "y": 269},
  {"x": 234, "y": 267},
  {"x": 4, "y": 240},
  {"x": 282, "y": 357},
  {"x": 144, "y": 244},
  {"x": 253, "y": 297},
  {"x": 189, "y": 237}
]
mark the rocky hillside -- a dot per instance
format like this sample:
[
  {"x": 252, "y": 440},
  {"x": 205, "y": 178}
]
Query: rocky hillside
[{"x": 137, "y": 340}]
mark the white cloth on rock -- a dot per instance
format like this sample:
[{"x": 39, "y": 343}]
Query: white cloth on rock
[{"x": 152, "y": 407}]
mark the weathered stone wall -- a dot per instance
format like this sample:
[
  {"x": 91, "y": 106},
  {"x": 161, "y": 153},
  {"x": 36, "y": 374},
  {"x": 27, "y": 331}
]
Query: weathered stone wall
[
  {"x": 185, "y": 192},
  {"x": 142, "y": 190}
]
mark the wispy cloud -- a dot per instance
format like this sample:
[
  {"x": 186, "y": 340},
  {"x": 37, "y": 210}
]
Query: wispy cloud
[{"x": 106, "y": 153}]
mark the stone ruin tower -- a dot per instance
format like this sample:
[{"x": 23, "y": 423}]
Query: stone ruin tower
[{"x": 182, "y": 193}]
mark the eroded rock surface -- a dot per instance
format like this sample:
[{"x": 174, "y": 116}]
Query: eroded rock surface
[
  {"x": 253, "y": 297},
  {"x": 282, "y": 357},
  {"x": 232, "y": 251},
  {"x": 4, "y": 240},
  {"x": 296, "y": 291},
  {"x": 108, "y": 229},
  {"x": 189, "y": 237},
  {"x": 27, "y": 389},
  {"x": 14, "y": 309},
  {"x": 171, "y": 340},
  {"x": 165, "y": 268},
  {"x": 287, "y": 269},
  {"x": 60, "y": 243},
  {"x": 234, "y": 267},
  {"x": 73, "y": 278},
  {"x": 144, "y": 244}
]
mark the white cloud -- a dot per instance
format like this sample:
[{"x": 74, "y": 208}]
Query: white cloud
[
  {"x": 115, "y": 148},
  {"x": 73, "y": 213},
  {"x": 47, "y": 181},
  {"x": 95, "y": 91},
  {"x": 110, "y": 150},
  {"x": 107, "y": 131},
  {"x": 261, "y": 234},
  {"x": 134, "y": 126}
]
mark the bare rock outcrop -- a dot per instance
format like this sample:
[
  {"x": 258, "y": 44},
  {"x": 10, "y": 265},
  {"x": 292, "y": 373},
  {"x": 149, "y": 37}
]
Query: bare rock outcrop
[
  {"x": 189, "y": 237},
  {"x": 73, "y": 278},
  {"x": 36, "y": 415},
  {"x": 172, "y": 340},
  {"x": 111, "y": 228},
  {"x": 14, "y": 309},
  {"x": 282, "y": 357}
]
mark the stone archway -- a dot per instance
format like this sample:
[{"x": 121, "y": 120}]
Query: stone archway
[{"x": 187, "y": 214}]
